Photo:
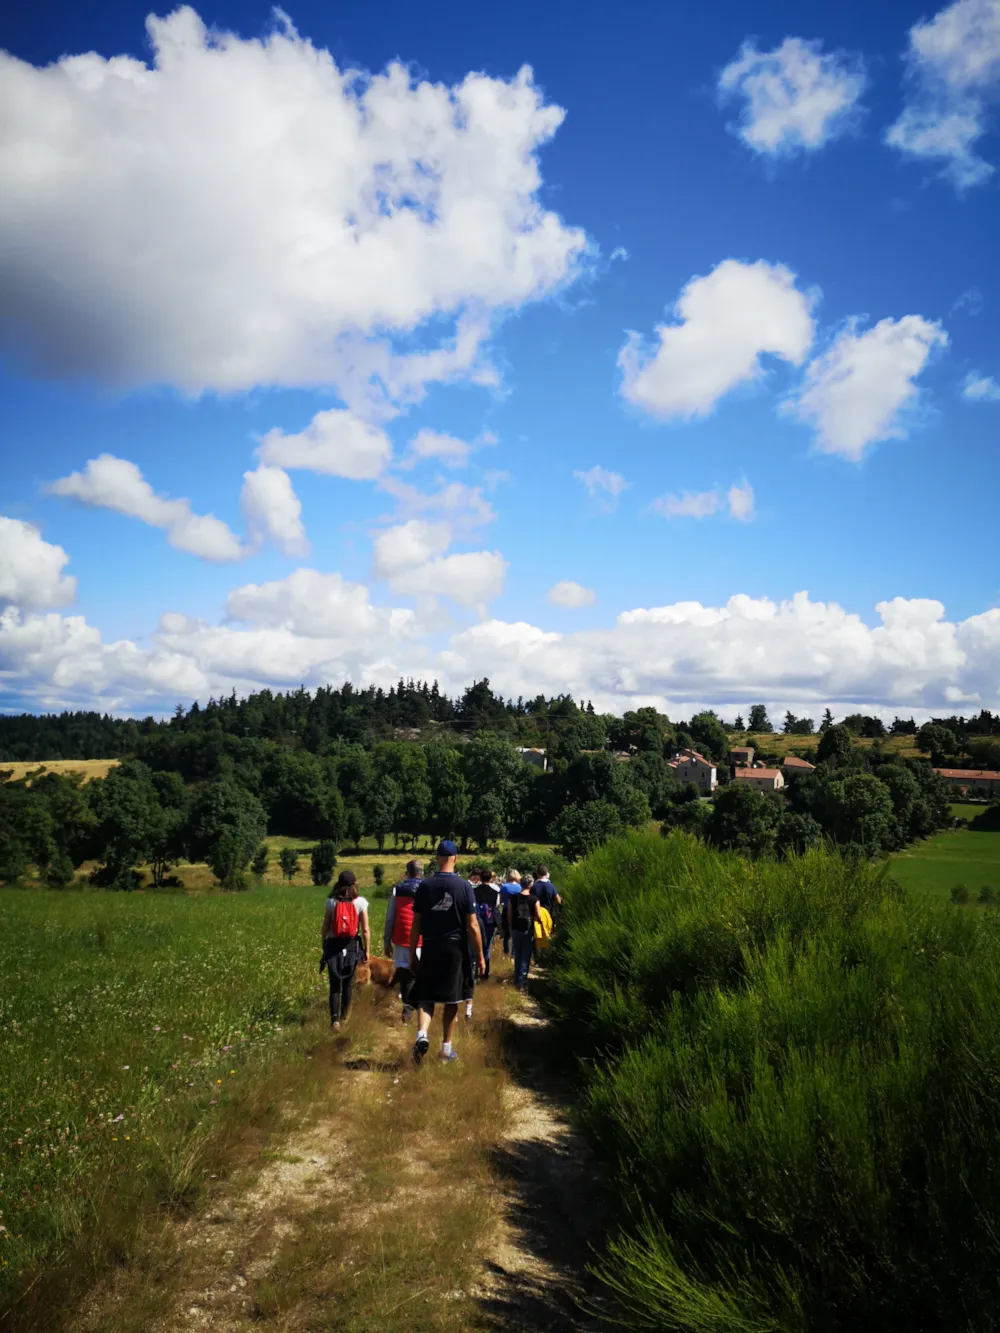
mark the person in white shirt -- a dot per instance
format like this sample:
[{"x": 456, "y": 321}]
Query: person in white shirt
[{"x": 346, "y": 915}]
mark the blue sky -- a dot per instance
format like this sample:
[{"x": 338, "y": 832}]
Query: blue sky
[{"x": 216, "y": 240}]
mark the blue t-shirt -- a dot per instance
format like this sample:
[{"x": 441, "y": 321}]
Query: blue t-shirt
[{"x": 444, "y": 900}]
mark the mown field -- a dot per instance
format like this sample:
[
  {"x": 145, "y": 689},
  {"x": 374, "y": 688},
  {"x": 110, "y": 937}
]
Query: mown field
[
  {"x": 805, "y": 746},
  {"x": 958, "y": 856},
  {"x": 90, "y": 768},
  {"x": 137, "y": 1031}
]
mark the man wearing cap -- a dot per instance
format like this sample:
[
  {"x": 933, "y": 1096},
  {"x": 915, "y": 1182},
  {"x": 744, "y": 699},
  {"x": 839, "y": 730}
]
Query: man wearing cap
[{"x": 444, "y": 916}]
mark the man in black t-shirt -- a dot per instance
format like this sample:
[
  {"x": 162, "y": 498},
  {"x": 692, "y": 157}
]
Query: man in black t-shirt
[{"x": 444, "y": 914}]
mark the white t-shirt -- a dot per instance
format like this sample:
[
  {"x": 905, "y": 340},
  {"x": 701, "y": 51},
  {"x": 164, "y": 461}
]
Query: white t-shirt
[{"x": 360, "y": 903}]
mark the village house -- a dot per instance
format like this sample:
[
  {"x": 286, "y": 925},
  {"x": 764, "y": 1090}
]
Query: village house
[
  {"x": 761, "y": 779},
  {"x": 533, "y": 756},
  {"x": 690, "y": 766},
  {"x": 982, "y": 780},
  {"x": 741, "y": 756},
  {"x": 793, "y": 765}
]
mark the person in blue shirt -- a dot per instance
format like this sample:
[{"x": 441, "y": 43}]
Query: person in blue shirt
[
  {"x": 444, "y": 916},
  {"x": 508, "y": 889},
  {"x": 548, "y": 894}
]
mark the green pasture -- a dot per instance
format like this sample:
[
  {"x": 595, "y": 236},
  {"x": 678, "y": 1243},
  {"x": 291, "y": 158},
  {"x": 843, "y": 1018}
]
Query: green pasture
[
  {"x": 959, "y": 856},
  {"x": 131, "y": 1024}
]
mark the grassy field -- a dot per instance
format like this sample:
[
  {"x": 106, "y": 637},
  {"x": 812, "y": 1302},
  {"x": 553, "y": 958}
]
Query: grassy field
[
  {"x": 90, "y": 768},
  {"x": 805, "y": 746},
  {"x": 138, "y": 1033},
  {"x": 959, "y": 856}
]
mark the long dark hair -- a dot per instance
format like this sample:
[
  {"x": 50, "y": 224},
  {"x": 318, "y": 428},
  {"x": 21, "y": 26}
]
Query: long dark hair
[{"x": 346, "y": 887}]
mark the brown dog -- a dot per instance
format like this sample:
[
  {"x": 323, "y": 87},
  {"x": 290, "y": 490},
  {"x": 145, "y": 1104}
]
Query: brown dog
[{"x": 378, "y": 970}]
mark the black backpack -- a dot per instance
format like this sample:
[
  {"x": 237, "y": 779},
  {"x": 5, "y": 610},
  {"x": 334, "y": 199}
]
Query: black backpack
[{"x": 524, "y": 912}]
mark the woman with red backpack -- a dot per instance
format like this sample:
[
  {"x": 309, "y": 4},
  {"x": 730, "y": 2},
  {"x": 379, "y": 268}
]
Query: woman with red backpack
[{"x": 346, "y": 914}]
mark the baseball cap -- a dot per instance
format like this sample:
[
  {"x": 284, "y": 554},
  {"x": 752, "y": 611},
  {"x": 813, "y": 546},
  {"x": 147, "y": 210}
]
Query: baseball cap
[{"x": 447, "y": 848}]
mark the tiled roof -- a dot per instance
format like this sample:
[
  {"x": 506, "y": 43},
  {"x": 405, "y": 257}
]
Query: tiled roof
[
  {"x": 758, "y": 772},
  {"x": 793, "y": 761},
  {"x": 970, "y": 774}
]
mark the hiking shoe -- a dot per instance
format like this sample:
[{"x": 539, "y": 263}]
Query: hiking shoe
[
  {"x": 448, "y": 1056},
  {"x": 420, "y": 1048}
]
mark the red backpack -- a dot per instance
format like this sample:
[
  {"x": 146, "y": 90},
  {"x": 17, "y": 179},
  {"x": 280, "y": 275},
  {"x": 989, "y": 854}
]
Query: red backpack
[{"x": 345, "y": 920}]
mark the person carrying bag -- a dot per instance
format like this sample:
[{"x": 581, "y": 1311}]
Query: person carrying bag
[{"x": 346, "y": 914}]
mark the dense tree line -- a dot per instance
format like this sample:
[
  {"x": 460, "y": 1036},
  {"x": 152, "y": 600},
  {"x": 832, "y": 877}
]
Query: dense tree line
[{"x": 867, "y": 801}]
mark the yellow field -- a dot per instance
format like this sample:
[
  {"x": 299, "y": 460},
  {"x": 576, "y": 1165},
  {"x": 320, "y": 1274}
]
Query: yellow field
[
  {"x": 779, "y": 743},
  {"x": 90, "y": 768}
]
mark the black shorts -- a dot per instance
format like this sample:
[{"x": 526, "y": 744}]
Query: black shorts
[{"x": 443, "y": 973}]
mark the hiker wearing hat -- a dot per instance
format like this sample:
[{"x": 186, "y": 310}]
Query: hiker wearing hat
[
  {"x": 346, "y": 914},
  {"x": 444, "y": 917}
]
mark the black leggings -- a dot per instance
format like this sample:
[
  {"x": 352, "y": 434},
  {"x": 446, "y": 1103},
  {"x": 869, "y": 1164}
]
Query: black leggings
[{"x": 341, "y": 994}]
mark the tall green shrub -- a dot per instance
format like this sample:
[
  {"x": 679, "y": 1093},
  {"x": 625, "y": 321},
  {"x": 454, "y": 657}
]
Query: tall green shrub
[{"x": 798, "y": 1095}]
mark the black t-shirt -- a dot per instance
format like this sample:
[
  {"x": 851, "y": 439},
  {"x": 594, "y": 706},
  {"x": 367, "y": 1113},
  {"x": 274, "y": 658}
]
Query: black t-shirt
[
  {"x": 522, "y": 907},
  {"x": 443, "y": 901},
  {"x": 487, "y": 896}
]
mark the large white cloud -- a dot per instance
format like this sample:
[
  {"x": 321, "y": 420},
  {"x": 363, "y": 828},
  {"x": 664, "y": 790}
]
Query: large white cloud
[
  {"x": 409, "y": 544},
  {"x": 244, "y": 212},
  {"x": 108, "y": 482},
  {"x": 31, "y": 569},
  {"x": 794, "y": 97},
  {"x": 800, "y": 653},
  {"x": 273, "y": 511},
  {"x": 472, "y": 578},
  {"x": 857, "y": 390},
  {"x": 953, "y": 65},
  {"x": 727, "y": 321},
  {"x": 337, "y": 442},
  {"x": 315, "y": 628}
]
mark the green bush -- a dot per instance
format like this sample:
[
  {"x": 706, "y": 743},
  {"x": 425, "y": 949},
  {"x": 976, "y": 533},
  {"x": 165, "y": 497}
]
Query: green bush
[
  {"x": 797, "y": 1096},
  {"x": 959, "y": 893}
]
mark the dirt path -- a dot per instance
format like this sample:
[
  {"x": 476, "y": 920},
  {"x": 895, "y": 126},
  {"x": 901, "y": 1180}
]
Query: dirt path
[{"x": 441, "y": 1199}]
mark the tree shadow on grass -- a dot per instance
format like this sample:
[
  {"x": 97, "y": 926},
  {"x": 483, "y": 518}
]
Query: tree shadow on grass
[{"x": 557, "y": 1212}]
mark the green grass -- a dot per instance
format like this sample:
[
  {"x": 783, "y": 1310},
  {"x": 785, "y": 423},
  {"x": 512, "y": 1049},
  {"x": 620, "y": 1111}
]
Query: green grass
[
  {"x": 966, "y": 809},
  {"x": 131, "y": 1026},
  {"x": 794, "y": 1086},
  {"x": 959, "y": 856}
]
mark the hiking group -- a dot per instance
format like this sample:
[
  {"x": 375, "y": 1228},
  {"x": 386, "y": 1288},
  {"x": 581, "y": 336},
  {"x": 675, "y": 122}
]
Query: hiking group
[{"x": 439, "y": 933}]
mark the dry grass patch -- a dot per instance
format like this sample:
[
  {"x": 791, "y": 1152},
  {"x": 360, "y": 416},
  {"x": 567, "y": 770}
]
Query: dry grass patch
[{"x": 90, "y": 768}]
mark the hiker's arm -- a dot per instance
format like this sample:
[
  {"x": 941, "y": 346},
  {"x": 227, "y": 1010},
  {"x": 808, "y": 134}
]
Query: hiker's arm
[
  {"x": 327, "y": 925},
  {"x": 558, "y": 898},
  {"x": 476, "y": 939},
  {"x": 414, "y": 936},
  {"x": 366, "y": 933},
  {"x": 390, "y": 921}
]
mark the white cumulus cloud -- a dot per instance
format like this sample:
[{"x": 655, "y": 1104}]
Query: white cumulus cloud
[
  {"x": 447, "y": 449},
  {"x": 981, "y": 389},
  {"x": 571, "y": 595},
  {"x": 793, "y": 98},
  {"x": 953, "y": 73},
  {"x": 31, "y": 569},
  {"x": 472, "y": 578},
  {"x": 241, "y": 212},
  {"x": 408, "y": 544},
  {"x": 855, "y": 393},
  {"x": 316, "y": 628},
  {"x": 465, "y": 507},
  {"x": 273, "y": 511},
  {"x": 726, "y": 322},
  {"x": 114, "y": 483},
  {"x": 336, "y": 442}
]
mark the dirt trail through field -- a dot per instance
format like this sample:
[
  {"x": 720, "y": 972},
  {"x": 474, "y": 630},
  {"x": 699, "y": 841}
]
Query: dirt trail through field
[{"x": 440, "y": 1198}]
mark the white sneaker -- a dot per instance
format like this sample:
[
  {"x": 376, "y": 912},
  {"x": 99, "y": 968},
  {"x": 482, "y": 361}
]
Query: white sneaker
[
  {"x": 468, "y": 1011},
  {"x": 448, "y": 1056}
]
